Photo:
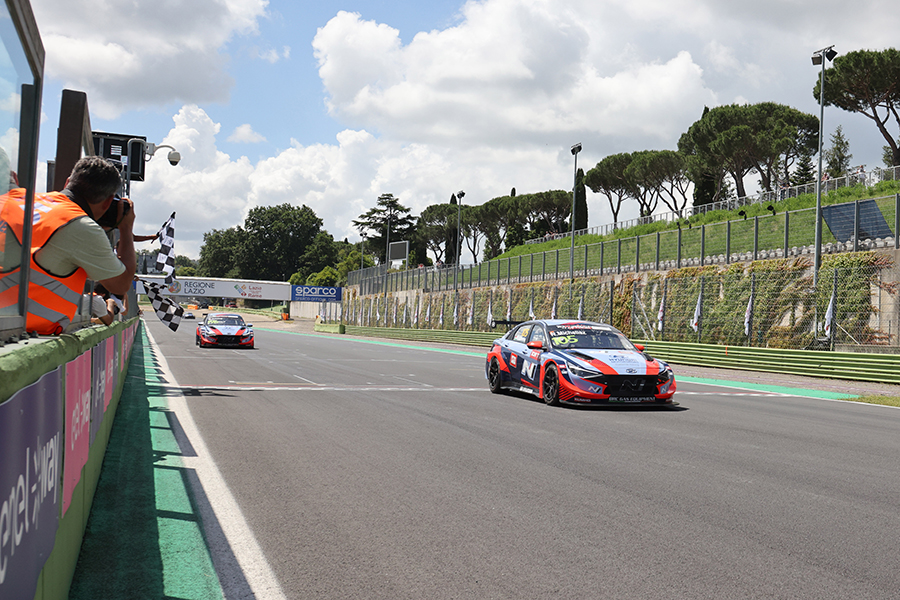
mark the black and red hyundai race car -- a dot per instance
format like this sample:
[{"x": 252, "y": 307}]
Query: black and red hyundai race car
[
  {"x": 579, "y": 363},
  {"x": 224, "y": 329}
]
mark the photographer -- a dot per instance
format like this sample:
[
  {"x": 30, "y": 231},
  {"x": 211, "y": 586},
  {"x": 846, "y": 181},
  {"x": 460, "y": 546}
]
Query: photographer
[{"x": 71, "y": 244}]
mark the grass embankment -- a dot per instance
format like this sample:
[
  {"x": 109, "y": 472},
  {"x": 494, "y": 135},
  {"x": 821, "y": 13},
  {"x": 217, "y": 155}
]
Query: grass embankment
[{"x": 741, "y": 236}]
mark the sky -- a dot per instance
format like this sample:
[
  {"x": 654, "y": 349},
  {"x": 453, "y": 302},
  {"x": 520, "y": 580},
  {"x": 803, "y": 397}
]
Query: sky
[{"x": 333, "y": 103}]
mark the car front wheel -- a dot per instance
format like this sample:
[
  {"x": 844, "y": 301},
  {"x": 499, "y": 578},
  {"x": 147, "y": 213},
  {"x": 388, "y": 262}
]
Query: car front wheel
[{"x": 550, "y": 386}]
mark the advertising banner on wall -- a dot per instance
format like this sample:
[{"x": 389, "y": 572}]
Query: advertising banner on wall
[
  {"x": 111, "y": 372},
  {"x": 198, "y": 288},
  {"x": 78, "y": 424},
  {"x": 31, "y": 446},
  {"x": 98, "y": 386},
  {"x": 312, "y": 293}
]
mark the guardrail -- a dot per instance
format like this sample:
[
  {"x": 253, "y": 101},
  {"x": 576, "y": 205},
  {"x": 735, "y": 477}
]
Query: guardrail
[
  {"x": 853, "y": 366},
  {"x": 449, "y": 336}
]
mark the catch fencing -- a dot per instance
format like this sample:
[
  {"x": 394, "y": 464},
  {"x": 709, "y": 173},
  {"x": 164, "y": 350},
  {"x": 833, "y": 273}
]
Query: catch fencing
[
  {"x": 858, "y": 177},
  {"x": 850, "y": 227},
  {"x": 773, "y": 303}
]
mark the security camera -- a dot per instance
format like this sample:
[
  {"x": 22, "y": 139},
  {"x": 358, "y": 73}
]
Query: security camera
[
  {"x": 174, "y": 157},
  {"x": 576, "y": 148}
]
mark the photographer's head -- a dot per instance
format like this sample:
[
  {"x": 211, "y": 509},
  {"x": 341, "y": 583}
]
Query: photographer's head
[{"x": 94, "y": 180}]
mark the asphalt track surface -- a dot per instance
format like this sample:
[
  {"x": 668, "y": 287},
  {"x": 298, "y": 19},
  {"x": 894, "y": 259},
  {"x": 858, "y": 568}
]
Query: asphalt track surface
[{"x": 377, "y": 469}]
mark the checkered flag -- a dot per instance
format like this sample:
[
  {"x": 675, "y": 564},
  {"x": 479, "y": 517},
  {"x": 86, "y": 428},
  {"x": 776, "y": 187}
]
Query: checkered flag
[
  {"x": 168, "y": 311},
  {"x": 165, "y": 259}
]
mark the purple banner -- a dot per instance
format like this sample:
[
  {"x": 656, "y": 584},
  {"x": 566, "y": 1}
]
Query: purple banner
[
  {"x": 98, "y": 387},
  {"x": 78, "y": 424},
  {"x": 112, "y": 369},
  {"x": 31, "y": 447}
]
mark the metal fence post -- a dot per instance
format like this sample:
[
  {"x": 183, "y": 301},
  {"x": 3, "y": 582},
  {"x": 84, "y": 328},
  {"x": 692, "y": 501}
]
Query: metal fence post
[
  {"x": 755, "y": 236},
  {"x": 702, "y": 245},
  {"x": 657, "y": 250},
  {"x": 678, "y": 259},
  {"x": 728, "y": 243},
  {"x": 787, "y": 219},
  {"x": 585, "y": 260},
  {"x": 602, "y": 264},
  {"x": 619, "y": 257},
  {"x": 897, "y": 222},
  {"x": 637, "y": 254}
]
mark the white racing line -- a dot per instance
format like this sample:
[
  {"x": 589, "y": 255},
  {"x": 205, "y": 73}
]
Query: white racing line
[{"x": 239, "y": 539}]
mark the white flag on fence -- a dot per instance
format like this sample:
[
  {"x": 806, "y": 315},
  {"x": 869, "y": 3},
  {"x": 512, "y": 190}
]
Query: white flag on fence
[
  {"x": 470, "y": 320},
  {"x": 552, "y": 309},
  {"x": 747, "y": 314},
  {"x": 509, "y": 307},
  {"x": 581, "y": 308},
  {"x": 441, "y": 317},
  {"x": 456, "y": 313},
  {"x": 695, "y": 321},
  {"x": 829, "y": 314},
  {"x": 661, "y": 314},
  {"x": 490, "y": 315},
  {"x": 531, "y": 309}
]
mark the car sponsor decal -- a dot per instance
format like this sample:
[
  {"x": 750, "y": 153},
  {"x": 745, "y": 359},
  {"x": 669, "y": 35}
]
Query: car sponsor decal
[
  {"x": 529, "y": 369},
  {"x": 535, "y": 354},
  {"x": 513, "y": 359}
]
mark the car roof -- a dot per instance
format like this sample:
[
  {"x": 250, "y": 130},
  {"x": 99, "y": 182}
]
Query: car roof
[
  {"x": 218, "y": 314},
  {"x": 571, "y": 322}
]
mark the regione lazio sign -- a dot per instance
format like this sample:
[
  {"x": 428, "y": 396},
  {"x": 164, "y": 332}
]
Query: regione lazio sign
[
  {"x": 312, "y": 293},
  {"x": 221, "y": 288}
]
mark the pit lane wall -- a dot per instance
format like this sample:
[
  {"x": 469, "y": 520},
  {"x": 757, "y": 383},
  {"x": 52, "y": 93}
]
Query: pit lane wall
[{"x": 58, "y": 398}]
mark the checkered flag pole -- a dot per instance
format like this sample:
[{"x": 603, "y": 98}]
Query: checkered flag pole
[
  {"x": 168, "y": 311},
  {"x": 165, "y": 259}
]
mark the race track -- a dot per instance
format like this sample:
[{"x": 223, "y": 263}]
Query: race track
[{"x": 378, "y": 469}]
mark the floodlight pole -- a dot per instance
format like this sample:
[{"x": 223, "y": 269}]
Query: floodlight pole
[
  {"x": 459, "y": 197},
  {"x": 819, "y": 57},
  {"x": 575, "y": 150}
]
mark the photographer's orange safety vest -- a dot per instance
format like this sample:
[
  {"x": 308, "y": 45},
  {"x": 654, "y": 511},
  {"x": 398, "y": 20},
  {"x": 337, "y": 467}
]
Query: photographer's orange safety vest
[{"x": 52, "y": 299}]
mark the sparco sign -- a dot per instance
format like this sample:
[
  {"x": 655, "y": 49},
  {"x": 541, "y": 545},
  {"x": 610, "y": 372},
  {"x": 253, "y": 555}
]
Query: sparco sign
[{"x": 311, "y": 293}]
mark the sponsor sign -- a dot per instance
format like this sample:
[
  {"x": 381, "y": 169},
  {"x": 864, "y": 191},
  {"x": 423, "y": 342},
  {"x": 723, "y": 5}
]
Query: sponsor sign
[
  {"x": 98, "y": 386},
  {"x": 221, "y": 288},
  {"x": 313, "y": 293},
  {"x": 78, "y": 423},
  {"x": 31, "y": 446}
]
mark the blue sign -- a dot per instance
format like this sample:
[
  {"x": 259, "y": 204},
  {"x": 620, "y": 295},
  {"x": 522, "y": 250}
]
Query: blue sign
[
  {"x": 31, "y": 428},
  {"x": 312, "y": 293}
]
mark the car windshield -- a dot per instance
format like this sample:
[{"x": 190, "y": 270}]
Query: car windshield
[
  {"x": 585, "y": 335},
  {"x": 237, "y": 321}
]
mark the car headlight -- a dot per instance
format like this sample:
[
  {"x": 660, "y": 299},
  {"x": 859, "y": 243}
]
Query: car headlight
[
  {"x": 581, "y": 372},
  {"x": 664, "y": 376}
]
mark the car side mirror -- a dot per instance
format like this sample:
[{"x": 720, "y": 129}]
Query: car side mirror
[
  {"x": 640, "y": 347},
  {"x": 535, "y": 345}
]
